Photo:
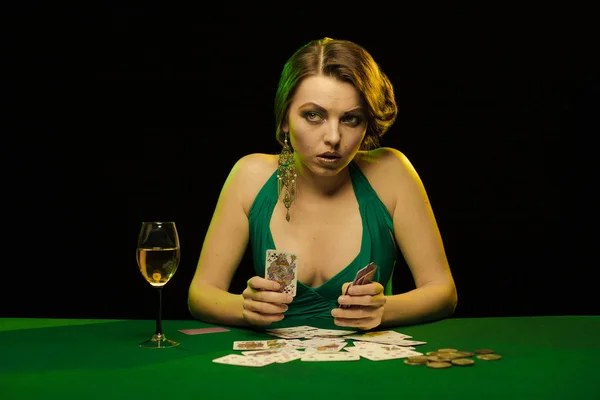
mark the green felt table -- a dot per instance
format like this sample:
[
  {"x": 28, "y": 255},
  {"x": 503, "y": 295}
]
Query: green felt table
[{"x": 543, "y": 358}]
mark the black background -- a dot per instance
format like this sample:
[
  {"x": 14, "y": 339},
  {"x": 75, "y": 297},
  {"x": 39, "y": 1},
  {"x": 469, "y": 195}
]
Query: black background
[{"x": 131, "y": 114}]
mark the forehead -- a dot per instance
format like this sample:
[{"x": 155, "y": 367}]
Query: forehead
[{"x": 327, "y": 92}]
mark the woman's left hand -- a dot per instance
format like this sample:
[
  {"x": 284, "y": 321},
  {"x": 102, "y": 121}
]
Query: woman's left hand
[{"x": 366, "y": 303}]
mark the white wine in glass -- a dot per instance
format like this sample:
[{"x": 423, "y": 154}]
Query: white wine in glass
[{"x": 158, "y": 255}]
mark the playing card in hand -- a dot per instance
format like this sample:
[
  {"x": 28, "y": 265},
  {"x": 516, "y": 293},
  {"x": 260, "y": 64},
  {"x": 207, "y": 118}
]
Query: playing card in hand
[
  {"x": 282, "y": 267},
  {"x": 363, "y": 277}
]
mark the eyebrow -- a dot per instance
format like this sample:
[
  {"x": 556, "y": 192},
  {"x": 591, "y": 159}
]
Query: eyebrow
[{"x": 310, "y": 103}]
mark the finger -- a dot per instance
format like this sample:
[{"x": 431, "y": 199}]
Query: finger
[
  {"x": 355, "y": 312},
  {"x": 272, "y": 297},
  {"x": 370, "y": 289},
  {"x": 345, "y": 287},
  {"x": 363, "y": 301},
  {"x": 264, "y": 308},
  {"x": 267, "y": 296},
  {"x": 359, "y": 323},
  {"x": 257, "y": 283},
  {"x": 259, "y": 319}
]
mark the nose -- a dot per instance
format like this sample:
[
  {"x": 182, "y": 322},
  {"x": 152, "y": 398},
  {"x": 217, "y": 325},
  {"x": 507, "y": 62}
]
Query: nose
[{"x": 332, "y": 134}]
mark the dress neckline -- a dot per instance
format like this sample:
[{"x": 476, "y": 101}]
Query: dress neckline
[{"x": 364, "y": 241}]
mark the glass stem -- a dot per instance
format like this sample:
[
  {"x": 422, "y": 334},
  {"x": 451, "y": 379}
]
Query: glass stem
[{"x": 159, "y": 318}]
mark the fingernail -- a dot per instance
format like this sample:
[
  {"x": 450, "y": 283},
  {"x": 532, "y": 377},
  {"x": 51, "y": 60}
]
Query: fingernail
[
  {"x": 276, "y": 286},
  {"x": 289, "y": 298},
  {"x": 342, "y": 299}
]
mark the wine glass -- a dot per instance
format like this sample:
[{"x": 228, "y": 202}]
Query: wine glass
[{"x": 158, "y": 255}]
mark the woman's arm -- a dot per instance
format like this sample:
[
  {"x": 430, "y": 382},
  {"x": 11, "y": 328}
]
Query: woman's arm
[
  {"x": 223, "y": 249},
  {"x": 420, "y": 242}
]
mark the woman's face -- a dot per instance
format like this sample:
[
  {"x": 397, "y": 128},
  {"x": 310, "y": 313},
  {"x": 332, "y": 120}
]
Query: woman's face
[{"x": 326, "y": 124}]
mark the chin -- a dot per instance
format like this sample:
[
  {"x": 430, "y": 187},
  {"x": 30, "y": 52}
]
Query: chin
[{"x": 327, "y": 170}]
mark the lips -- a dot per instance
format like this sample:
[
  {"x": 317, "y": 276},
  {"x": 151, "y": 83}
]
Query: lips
[{"x": 331, "y": 155}]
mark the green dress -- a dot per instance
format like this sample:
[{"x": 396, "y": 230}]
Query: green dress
[{"x": 377, "y": 246}]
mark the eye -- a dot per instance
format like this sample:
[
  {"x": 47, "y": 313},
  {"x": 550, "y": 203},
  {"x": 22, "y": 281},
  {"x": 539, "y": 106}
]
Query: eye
[
  {"x": 352, "y": 120},
  {"x": 312, "y": 116}
]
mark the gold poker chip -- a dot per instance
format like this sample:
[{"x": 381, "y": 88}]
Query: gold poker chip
[
  {"x": 463, "y": 362},
  {"x": 447, "y": 350},
  {"x": 438, "y": 364},
  {"x": 438, "y": 358},
  {"x": 408, "y": 362},
  {"x": 489, "y": 357},
  {"x": 465, "y": 354},
  {"x": 449, "y": 357},
  {"x": 417, "y": 359}
]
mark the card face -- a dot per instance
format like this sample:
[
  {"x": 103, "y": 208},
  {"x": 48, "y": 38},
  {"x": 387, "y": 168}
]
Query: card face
[
  {"x": 378, "y": 353},
  {"x": 243, "y": 361},
  {"x": 258, "y": 344},
  {"x": 330, "y": 333},
  {"x": 337, "y": 356},
  {"x": 379, "y": 336},
  {"x": 326, "y": 348},
  {"x": 297, "y": 332},
  {"x": 282, "y": 267},
  {"x": 279, "y": 356}
]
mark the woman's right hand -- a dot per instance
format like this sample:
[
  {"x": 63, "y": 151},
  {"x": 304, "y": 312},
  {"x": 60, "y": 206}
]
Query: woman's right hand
[{"x": 262, "y": 303}]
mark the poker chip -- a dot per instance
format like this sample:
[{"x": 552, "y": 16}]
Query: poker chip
[
  {"x": 484, "y": 351},
  {"x": 463, "y": 362},
  {"x": 447, "y": 357},
  {"x": 489, "y": 357},
  {"x": 438, "y": 364}
]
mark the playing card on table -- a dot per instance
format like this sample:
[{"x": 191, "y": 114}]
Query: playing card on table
[
  {"x": 295, "y": 332},
  {"x": 338, "y": 356},
  {"x": 244, "y": 361},
  {"x": 326, "y": 348},
  {"x": 258, "y": 344},
  {"x": 319, "y": 342},
  {"x": 382, "y": 352},
  {"x": 282, "y": 267},
  {"x": 386, "y": 337},
  {"x": 404, "y": 342},
  {"x": 378, "y": 336},
  {"x": 362, "y": 345},
  {"x": 328, "y": 333},
  {"x": 279, "y": 356}
]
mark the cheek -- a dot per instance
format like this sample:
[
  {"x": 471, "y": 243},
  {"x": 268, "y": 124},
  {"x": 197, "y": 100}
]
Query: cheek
[
  {"x": 354, "y": 138},
  {"x": 299, "y": 142},
  {"x": 300, "y": 136}
]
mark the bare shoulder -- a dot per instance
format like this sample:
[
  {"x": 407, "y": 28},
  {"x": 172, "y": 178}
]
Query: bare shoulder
[
  {"x": 256, "y": 164},
  {"x": 388, "y": 171},
  {"x": 385, "y": 163},
  {"x": 249, "y": 174}
]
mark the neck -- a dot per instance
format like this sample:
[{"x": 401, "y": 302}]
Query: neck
[{"x": 310, "y": 184}]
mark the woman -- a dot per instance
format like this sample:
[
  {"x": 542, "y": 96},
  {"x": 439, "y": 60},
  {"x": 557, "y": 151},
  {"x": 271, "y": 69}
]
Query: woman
[{"x": 334, "y": 198}]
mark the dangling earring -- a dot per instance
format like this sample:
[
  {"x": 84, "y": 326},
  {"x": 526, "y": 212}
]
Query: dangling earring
[{"x": 286, "y": 177}]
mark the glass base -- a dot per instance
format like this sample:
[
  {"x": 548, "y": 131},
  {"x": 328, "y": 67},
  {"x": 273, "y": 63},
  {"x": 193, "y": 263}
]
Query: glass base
[{"x": 158, "y": 341}]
